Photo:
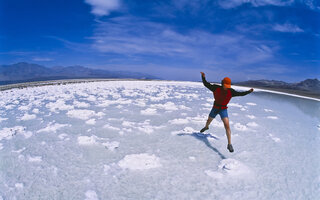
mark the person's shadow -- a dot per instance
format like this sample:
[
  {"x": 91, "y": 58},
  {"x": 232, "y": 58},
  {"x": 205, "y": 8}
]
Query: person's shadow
[{"x": 204, "y": 138}]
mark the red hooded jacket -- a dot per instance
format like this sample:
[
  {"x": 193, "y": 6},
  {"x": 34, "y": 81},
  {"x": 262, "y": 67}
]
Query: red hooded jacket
[{"x": 221, "y": 96}]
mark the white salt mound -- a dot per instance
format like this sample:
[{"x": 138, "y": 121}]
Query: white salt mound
[
  {"x": 52, "y": 127},
  {"x": 111, "y": 127},
  {"x": 139, "y": 162},
  {"x": 234, "y": 168},
  {"x": 26, "y": 117},
  {"x": 91, "y": 195},
  {"x": 19, "y": 185},
  {"x": 240, "y": 127},
  {"x": 230, "y": 169},
  {"x": 251, "y": 116},
  {"x": 34, "y": 159},
  {"x": 81, "y": 114},
  {"x": 179, "y": 121},
  {"x": 9, "y": 133},
  {"x": 252, "y": 124},
  {"x": 91, "y": 121},
  {"x": 86, "y": 140},
  {"x": 3, "y": 119},
  {"x": 235, "y": 105},
  {"x": 272, "y": 117},
  {"x": 149, "y": 111}
]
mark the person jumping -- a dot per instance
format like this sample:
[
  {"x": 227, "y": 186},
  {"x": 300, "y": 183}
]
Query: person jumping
[{"x": 222, "y": 95}]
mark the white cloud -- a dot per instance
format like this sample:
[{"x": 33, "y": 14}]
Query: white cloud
[
  {"x": 41, "y": 59},
  {"x": 289, "y": 28},
  {"x": 145, "y": 45},
  {"x": 103, "y": 7},
  {"x": 312, "y": 4},
  {"x": 136, "y": 37},
  {"x": 227, "y": 4},
  {"x": 194, "y": 5},
  {"x": 131, "y": 36},
  {"x": 231, "y": 4}
]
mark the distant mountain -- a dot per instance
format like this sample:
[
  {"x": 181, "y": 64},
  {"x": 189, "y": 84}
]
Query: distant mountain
[
  {"x": 26, "y": 72},
  {"x": 308, "y": 85}
]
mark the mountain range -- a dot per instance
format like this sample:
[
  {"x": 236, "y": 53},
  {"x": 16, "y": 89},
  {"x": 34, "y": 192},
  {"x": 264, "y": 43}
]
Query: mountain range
[
  {"x": 27, "y": 72},
  {"x": 308, "y": 87}
]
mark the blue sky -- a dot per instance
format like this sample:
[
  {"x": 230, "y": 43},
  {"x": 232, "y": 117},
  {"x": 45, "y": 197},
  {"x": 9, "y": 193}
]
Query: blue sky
[{"x": 242, "y": 39}]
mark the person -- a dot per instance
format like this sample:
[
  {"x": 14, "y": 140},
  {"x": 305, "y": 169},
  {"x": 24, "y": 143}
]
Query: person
[{"x": 222, "y": 95}]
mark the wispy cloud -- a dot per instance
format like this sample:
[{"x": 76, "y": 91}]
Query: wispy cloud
[
  {"x": 289, "y": 28},
  {"x": 17, "y": 53},
  {"x": 312, "y": 4},
  {"x": 103, "y": 7},
  {"x": 76, "y": 46},
  {"x": 138, "y": 37},
  {"x": 229, "y": 4},
  {"x": 193, "y": 6},
  {"x": 256, "y": 3},
  {"x": 42, "y": 59}
]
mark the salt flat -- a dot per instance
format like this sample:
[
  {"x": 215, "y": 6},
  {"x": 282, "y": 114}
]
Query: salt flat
[{"x": 140, "y": 140}]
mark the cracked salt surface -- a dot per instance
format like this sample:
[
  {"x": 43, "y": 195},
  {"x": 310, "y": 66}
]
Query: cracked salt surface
[{"x": 141, "y": 140}]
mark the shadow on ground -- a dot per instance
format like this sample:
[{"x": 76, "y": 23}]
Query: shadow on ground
[{"x": 204, "y": 138}]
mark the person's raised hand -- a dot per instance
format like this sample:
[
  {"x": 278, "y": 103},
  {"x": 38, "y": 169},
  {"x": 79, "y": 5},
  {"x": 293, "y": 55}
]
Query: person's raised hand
[{"x": 203, "y": 74}]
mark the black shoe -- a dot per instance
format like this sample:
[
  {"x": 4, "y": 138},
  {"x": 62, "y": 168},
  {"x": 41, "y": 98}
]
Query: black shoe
[
  {"x": 230, "y": 148},
  {"x": 204, "y": 129}
]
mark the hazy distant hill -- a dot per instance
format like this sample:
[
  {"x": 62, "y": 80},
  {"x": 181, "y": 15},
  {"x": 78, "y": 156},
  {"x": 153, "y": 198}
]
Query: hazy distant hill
[
  {"x": 26, "y": 72},
  {"x": 308, "y": 86}
]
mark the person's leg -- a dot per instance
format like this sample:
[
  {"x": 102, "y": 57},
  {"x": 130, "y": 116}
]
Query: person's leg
[
  {"x": 225, "y": 119},
  {"x": 227, "y": 127},
  {"x": 212, "y": 115},
  {"x": 209, "y": 120}
]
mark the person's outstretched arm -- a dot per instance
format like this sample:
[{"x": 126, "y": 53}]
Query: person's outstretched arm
[
  {"x": 207, "y": 84},
  {"x": 236, "y": 93}
]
